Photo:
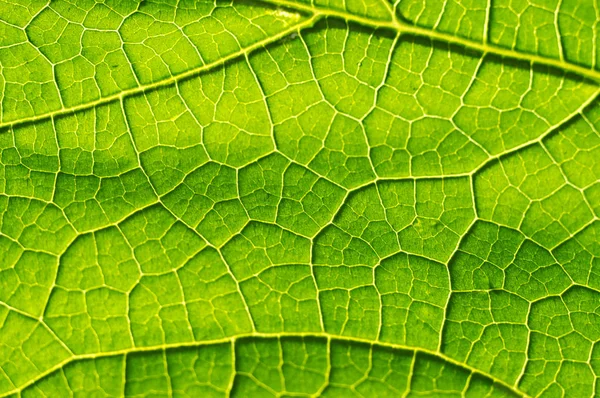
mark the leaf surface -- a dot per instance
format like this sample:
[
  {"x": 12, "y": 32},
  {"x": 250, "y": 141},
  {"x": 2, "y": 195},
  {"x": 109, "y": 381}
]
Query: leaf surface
[{"x": 299, "y": 198}]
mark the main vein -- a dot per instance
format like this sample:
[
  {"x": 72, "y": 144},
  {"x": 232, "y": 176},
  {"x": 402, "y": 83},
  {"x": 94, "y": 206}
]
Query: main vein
[
  {"x": 406, "y": 28},
  {"x": 234, "y": 339},
  {"x": 315, "y": 14}
]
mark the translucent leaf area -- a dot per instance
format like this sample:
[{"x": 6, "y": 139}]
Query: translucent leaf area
[{"x": 294, "y": 198}]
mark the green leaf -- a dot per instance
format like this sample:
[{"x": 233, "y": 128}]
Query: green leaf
[{"x": 268, "y": 198}]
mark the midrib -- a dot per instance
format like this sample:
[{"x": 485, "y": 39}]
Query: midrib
[
  {"x": 403, "y": 27},
  {"x": 314, "y": 15},
  {"x": 165, "y": 82},
  {"x": 234, "y": 339}
]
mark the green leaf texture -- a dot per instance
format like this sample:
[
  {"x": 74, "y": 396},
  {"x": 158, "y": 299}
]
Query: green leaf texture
[{"x": 286, "y": 198}]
